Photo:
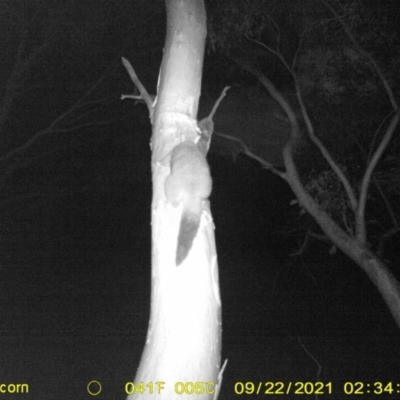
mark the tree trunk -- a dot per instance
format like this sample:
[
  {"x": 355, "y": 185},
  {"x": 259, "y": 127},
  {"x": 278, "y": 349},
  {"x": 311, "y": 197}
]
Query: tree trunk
[{"x": 181, "y": 357}]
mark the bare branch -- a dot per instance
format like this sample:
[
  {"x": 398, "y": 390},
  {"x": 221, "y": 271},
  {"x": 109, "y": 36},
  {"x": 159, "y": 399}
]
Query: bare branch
[
  {"x": 324, "y": 151},
  {"x": 50, "y": 129},
  {"x": 275, "y": 93},
  {"x": 360, "y": 218},
  {"x": 206, "y": 125},
  {"x": 327, "y": 224},
  {"x": 246, "y": 150},
  {"x": 218, "y": 102},
  {"x": 144, "y": 95},
  {"x": 389, "y": 207},
  {"x": 310, "y": 129}
]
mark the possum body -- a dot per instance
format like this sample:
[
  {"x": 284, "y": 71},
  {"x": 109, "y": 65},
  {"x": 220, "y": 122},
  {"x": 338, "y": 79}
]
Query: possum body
[{"x": 188, "y": 184}]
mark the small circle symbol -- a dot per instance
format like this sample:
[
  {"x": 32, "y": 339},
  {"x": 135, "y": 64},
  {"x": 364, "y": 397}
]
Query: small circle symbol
[{"x": 94, "y": 388}]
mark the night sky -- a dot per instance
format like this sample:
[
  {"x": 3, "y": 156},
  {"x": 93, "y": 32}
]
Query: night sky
[{"x": 75, "y": 238}]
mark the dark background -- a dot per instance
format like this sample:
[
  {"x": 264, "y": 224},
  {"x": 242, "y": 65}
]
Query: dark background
[{"x": 75, "y": 227}]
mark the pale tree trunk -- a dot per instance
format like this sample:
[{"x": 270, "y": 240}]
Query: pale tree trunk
[{"x": 183, "y": 344}]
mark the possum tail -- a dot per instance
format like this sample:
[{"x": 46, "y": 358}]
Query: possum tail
[{"x": 188, "y": 228}]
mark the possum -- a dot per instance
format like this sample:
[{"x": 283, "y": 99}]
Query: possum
[{"x": 188, "y": 184}]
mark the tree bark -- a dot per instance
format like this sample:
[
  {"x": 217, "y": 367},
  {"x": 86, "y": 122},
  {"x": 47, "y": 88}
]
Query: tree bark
[{"x": 183, "y": 345}]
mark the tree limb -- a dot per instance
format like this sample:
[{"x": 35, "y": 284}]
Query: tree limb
[{"x": 144, "y": 95}]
